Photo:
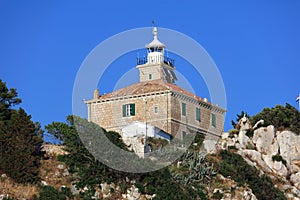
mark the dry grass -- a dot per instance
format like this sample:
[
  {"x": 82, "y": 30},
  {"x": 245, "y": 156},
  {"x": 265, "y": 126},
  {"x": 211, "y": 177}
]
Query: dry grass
[
  {"x": 52, "y": 175},
  {"x": 18, "y": 191},
  {"x": 49, "y": 173}
]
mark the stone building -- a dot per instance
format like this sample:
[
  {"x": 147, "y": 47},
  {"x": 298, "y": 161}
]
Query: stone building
[{"x": 156, "y": 100}]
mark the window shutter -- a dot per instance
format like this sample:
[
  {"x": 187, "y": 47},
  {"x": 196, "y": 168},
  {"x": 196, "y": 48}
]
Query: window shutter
[
  {"x": 132, "y": 109},
  {"x": 183, "y": 109},
  {"x": 183, "y": 136},
  {"x": 124, "y": 110},
  {"x": 213, "y": 120},
  {"x": 198, "y": 114}
]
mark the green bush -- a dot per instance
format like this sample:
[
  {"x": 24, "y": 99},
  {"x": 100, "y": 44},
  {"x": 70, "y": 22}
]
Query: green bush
[
  {"x": 92, "y": 172},
  {"x": 232, "y": 132},
  {"x": 281, "y": 117},
  {"x": 50, "y": 193},
  {"x": 236, "y": 167},
  {"x": 279, "y": 158},
  {"x": 218, "y": 195}
]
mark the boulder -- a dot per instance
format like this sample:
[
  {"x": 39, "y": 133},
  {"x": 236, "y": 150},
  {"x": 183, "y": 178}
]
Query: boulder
[
  {"x": 264, "y": 140},
  {"x": 248, "y": 195},
  {"x": 74, "y": 190},
  {"x": 243, "y": 138},
  {"x": 295, "y": 179},
  {"x": 296, "y": 191},
  {"x": 277, "y": 166},
  {"x": 289, "y": 146},
  {"x": 256, "y": 157},
  {"x": 224, "y": 135},
  {"x": 210, "y": 146},
  {"x": 61, "y": 166}
]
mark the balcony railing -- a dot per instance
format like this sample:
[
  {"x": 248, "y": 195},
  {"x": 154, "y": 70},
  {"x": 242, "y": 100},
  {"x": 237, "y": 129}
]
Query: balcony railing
[{"x": 167, "y": 60}]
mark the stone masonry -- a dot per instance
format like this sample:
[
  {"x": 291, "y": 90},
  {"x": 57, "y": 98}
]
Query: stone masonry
[{"x": 157, "y": 100}]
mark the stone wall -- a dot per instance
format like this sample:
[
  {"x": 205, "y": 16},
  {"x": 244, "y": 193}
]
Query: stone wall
[
  {"x": 109, "y": 114},
  {"x": 169, "y": 118}
]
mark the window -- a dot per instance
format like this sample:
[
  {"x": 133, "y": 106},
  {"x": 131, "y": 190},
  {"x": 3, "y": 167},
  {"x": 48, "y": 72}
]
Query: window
[
  {"x": 150, "y": 76},
  {"x": 155, "y": 109},
  {"x": 183, "y": 136},
  {"x": 183, "y": 109},
  {"x": 128, "y": 110},
  {"x": 213, "y": 120},
  {"x": 198, "y": 114}
]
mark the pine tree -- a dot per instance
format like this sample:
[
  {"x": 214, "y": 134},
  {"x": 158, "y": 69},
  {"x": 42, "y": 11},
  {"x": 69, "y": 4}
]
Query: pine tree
[{"x": 19, "y": 142}]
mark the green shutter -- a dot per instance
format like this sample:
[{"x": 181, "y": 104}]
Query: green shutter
[
  {"x": 183, "y": 109},
  {"x": 198, "y": 114},
  {"x": 132, "y": 106},
  {"x": 183, "y": 135},
  {"x": 213, "y": 120},
  {"x": 124, "y": 110}
]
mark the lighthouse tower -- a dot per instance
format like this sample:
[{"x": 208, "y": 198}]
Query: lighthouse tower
[{"x": 156, "y": 65}]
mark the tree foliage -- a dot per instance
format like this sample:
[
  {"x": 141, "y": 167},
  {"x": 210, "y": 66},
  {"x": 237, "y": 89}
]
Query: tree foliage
[
  {"x": 19, "y": 143},
  {"x": 48, "y": 193},
  {"x": 92, "y": 172},
  {"x": 238, "y": 117},
  {"x": 282, "y": 117}
]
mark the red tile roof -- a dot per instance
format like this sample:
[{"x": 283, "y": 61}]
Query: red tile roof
[{"x": 148, "y": 87}]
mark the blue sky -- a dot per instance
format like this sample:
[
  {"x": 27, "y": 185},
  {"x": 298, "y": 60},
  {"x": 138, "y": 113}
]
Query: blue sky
[{"x": 255, "y": 45}]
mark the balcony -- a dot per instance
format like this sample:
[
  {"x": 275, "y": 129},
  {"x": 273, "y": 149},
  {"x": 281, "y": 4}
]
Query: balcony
[{"x": 167, "y": 60}]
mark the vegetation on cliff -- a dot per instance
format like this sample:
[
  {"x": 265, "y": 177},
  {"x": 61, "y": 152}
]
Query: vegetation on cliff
[{"x": 20, "y": 139}]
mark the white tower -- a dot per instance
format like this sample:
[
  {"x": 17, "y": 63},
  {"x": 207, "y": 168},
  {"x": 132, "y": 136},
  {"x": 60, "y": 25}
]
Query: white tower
[{"x": 156, "y": 65}]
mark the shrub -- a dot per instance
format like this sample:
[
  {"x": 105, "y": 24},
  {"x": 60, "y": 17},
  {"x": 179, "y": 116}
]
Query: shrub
[
  {"x": 235, "y": 166},
  {"x": 232, "y": 132},
  {"x": 279, "y": 158},
  {"x": 281, "y": 117},
  {"x": 218, "y": 195},
  {"x": 49, "y": 193}
]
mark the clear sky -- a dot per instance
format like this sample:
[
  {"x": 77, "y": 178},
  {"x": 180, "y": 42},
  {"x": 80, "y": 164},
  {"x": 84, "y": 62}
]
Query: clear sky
[{"x": 255, "y": 45}]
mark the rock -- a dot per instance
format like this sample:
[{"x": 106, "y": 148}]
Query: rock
[
  {"x": 243, "y": 138},
  {"x": 218, "y": 190},
  {"x": 285, "y": 187},
  {"x": 210, "y": 146},
  {"x": 277, "y": 167},
  {"x": 248, "y": 195},
  {"x": 66, "y": 173},
  {"x": 105, "y": 189},
  {"x": 57, "y": 173},
  {"x": 256, "y": 157},
  {"x": 133, "y": 193},
  {"x": 3, "y": 176},
  {"x": 44, "y": 183},
  {"x": 289, "y": 146},
  {"x": 289, "y": 196},
  {"x": 295, "y": 178},
  {"x": 296, "y": 191},
  {"x": 73, "y": 189},
  {"x": 96, "y": 195},
  {"x": 295, "y": 167},
  {"x": 231, "y": 141},
  {"x": 224, "y": 135},
  {"x": 136, "y": 143},
  {"x": 61, "y": 166},
  {"x": 264, "y": 140}
]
